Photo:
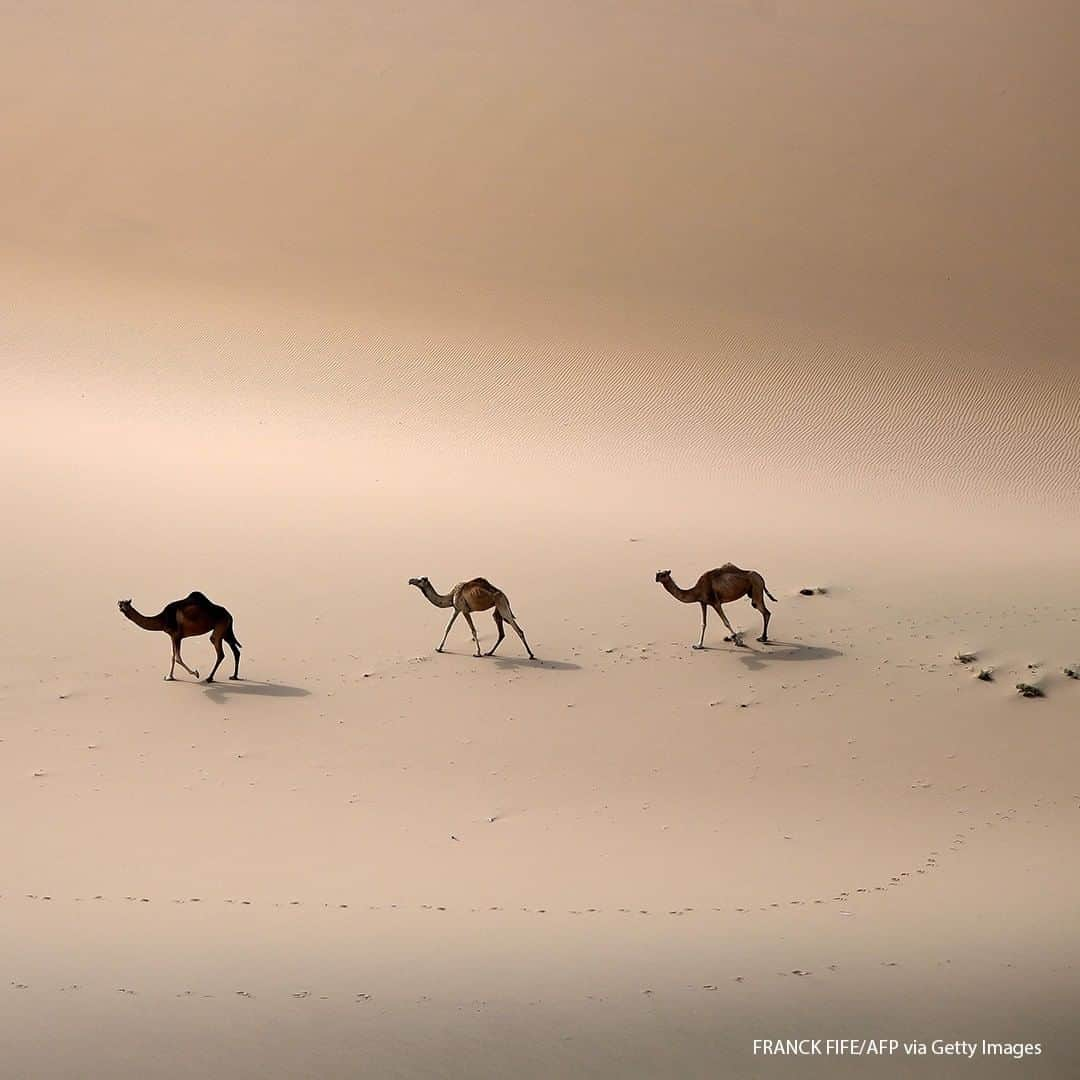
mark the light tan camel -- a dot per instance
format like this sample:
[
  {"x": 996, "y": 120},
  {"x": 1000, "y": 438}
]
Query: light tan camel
[
  {"x": 191, "y": 617},
  {"x": 467, "y": 597},
  {"x": 718, "y": 587}
]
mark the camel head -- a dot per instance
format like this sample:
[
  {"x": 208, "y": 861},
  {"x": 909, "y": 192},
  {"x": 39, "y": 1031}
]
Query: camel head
[
  {"x": 419, "y": 582},
  {"x": 663, "y": 575},
  {"x": 124, "y": 605}
]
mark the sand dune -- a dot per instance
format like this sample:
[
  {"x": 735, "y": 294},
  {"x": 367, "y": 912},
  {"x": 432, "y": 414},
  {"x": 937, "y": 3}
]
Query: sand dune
[
  {"x": 301, "y": 303},
  {"x": 790, "y": 419}
]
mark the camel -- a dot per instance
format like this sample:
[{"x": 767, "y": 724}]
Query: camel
[
  {"x": 193, "y": 616},
  {"x": 467, "y": 597},
  {"x": 718, "y": 587}
]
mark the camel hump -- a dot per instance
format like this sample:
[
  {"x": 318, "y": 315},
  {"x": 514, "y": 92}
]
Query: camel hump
[
  {"x": 729, "y": 568},
  {"x": 197, "y": 598},
  {"x": 480, "y": 583}
]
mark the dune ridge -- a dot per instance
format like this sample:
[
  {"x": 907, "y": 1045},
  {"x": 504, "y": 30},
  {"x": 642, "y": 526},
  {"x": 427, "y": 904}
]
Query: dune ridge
[{"x": 756, "y": 407}]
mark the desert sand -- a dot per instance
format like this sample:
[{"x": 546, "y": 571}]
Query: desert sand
[{"x": 303, "y": 301}]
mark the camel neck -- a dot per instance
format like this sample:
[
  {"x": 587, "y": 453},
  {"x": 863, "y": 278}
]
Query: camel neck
[
  {"x": 436, "y": 598},
  {"x": 147, "y": 622},
  {"x": 685, "y": 595}
]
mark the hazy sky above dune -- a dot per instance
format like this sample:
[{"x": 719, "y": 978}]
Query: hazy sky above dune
[
  {"x": 889, "y": 169},
  {"x": 826, "y": 245}
]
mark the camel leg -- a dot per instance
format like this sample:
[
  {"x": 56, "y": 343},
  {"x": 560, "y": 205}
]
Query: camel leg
[
  {"x": 502, "y": 634},
  {"x": 236, "y": 655},
  {"x": 734, "y": 636},
  {"x": 503, "y": 609},
  {"x": 759, "y": 603},
  {"x": 447, "y": 634},
  {"x": 472, "y": 627},
  {"x": 216, "y": 642},
  {"x": 178, "y": 659},
  {"x": 704, "y": 616},
  {"x": 521, "y": 634}
]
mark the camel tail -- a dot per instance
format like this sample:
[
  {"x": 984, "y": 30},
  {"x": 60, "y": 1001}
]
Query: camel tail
[{"x": 766, "y": 590}]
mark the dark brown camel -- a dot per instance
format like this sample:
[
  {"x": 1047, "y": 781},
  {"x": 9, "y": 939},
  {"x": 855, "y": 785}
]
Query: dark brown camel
[
  {"x": 467, "y": 597},
  {"x": 717, "y": 587},
  {"x": 193, "y": 616}
]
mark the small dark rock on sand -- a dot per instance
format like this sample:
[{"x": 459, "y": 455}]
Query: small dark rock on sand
[
  {"x": 987, "y": 675},
  {"x": 966, "y": 658},
  {"x": 1072, "y": 673},
  {"x": 1027, "y": 690},
  {"x": 812, "y": 592}
]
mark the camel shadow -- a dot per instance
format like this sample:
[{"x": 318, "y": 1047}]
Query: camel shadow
[
  {"x": 510, "y": 663},
  {"x": 513, "y": 663},
  {"x": 220, "y": 692},
  {"x": 758, "y": 659}
]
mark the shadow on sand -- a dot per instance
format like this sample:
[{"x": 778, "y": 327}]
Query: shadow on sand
[
  {"x": 759, "y": 656},
  {"x": 220, "y": 692},
  {"x": 505, "y": 663},
  {"x": 753, "y": 654},
  {"x": 513, "y": 663}
]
